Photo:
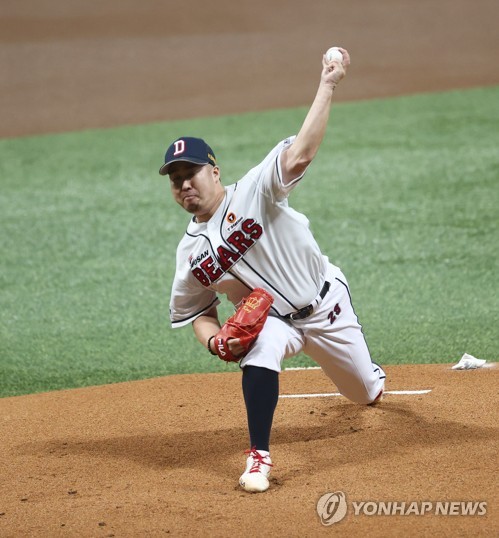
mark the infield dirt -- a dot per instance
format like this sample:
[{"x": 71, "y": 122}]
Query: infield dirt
[{"x": 162, "y": 457}]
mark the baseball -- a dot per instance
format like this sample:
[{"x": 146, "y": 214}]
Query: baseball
[{"x": 334, "y": 53}]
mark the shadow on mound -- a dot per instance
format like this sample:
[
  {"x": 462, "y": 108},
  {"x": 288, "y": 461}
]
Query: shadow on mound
[{"x": 355, "y": 433}]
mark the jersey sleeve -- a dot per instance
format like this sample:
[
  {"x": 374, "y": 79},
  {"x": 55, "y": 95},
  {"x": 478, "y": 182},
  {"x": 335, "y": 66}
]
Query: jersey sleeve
[
  {"x": 270, "y": 173},
  {"x": 189, "y": 298}
]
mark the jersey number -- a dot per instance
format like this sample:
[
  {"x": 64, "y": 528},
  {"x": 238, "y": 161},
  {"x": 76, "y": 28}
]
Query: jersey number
[{"x": 334, "y": 313}]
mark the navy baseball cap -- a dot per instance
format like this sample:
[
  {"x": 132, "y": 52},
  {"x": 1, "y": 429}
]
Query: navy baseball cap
[{"x": 187, "y": 148}]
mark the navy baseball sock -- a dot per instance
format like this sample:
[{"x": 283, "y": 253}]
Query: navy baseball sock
[{"x": 261, "y": 392}]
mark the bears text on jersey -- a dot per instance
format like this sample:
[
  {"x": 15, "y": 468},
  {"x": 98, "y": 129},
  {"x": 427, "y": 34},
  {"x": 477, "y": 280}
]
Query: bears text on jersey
[{"x": 210, "y": 269}]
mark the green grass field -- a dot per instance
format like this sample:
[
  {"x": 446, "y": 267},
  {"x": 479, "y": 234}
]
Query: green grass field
[{"x": 403, "y": 196}]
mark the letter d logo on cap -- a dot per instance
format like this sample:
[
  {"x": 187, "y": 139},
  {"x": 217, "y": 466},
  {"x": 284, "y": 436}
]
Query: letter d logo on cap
[{"x": 179, "y": 147}]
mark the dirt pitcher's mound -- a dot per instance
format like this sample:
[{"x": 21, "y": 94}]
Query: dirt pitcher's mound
[{"x": 164, "y": 456}]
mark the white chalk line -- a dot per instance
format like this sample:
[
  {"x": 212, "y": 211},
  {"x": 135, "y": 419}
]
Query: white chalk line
[
  {"x": 304, "y": 368},
  {"x": 327, "y": 394}
]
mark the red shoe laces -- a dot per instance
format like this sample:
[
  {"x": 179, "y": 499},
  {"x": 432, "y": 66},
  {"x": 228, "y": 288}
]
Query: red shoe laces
[{"x": 257, "y": 460}]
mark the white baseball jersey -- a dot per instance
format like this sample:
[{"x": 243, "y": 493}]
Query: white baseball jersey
[
  {"x": 256, "y": 240},
  {"x": 253, "y": 240}
]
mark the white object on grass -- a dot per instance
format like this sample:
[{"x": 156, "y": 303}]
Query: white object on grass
[{"x": 468, "y": 362}]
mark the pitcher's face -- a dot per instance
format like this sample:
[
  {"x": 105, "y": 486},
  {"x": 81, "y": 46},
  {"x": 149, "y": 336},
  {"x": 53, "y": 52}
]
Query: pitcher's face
[{"x": 197, "y": 188}]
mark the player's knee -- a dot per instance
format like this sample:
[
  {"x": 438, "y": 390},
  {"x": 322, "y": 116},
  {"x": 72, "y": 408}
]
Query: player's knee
[
  {"x": 362, "y": 400},
  {"x": 375, "y": 396},
  {"x": 377, "y": 399},
  {"x": 367, "y": 396}
]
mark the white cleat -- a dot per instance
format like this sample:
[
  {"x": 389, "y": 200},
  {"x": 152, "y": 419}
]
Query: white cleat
[{"x": 255, "y": 478}]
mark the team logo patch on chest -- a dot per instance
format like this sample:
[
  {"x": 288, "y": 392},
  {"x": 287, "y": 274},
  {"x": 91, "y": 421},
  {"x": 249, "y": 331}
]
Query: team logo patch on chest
[
  {"x": 208, "y": 268},
  {"x": 233, "y": 221}
]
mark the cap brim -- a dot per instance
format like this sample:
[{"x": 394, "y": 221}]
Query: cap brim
[{"x": 164, "y": 169}]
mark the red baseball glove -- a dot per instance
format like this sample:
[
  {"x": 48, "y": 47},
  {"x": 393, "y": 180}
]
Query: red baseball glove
[{"x": 245, "y": 324}]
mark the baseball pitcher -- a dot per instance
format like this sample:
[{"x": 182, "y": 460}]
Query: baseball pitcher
[{"x": 246, "y": 242}]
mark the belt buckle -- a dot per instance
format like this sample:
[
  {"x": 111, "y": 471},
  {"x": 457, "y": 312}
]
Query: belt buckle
[{"x": 302, "y": 314}]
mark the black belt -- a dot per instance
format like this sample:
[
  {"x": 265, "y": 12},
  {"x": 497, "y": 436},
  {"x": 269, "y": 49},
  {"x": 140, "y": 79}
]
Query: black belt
[{"x": 307, "y": 310}]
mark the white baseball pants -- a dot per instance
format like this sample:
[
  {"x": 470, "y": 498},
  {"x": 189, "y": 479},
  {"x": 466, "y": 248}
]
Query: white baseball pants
[{"x": 331, "y": 336}]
